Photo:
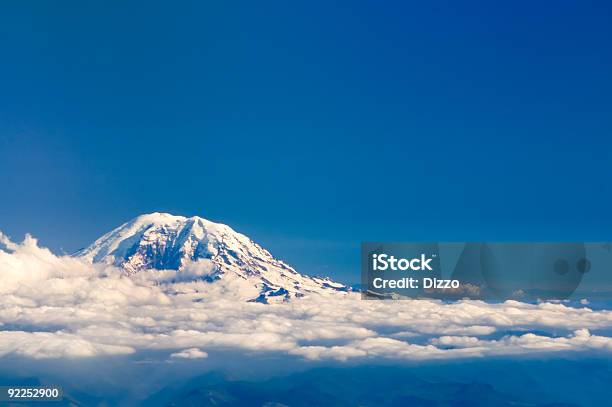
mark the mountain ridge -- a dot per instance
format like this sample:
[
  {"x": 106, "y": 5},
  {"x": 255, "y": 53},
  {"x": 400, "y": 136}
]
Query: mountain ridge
[{"x": 162, "y": 241}]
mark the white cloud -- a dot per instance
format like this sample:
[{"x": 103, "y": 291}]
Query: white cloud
[
  {"x": 44, "y": 345},
  {"x": 57, "y": 306},
  {"x": 191, "y": 353}
]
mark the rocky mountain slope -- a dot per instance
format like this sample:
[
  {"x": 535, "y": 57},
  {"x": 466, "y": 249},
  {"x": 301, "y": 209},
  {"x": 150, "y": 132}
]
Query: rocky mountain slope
[{"x": 163, "y": 241}]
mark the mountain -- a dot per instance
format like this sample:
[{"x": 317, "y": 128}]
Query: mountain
[{"x": 162, "y": 241}]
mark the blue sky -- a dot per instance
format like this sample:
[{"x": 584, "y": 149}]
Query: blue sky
[{"x": 308, "y": 126}]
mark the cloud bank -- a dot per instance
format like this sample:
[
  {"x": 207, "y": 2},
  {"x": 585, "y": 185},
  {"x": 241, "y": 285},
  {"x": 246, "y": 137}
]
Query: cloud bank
[{"x": 61, "y": 307}]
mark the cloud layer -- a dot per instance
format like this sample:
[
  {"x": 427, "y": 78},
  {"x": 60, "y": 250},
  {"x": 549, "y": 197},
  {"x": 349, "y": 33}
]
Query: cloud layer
[{"x": 58, "y": 306}]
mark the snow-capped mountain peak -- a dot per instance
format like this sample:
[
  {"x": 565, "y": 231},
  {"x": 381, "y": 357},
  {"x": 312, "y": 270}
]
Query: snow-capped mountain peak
[{"x": 163, "y": 241}]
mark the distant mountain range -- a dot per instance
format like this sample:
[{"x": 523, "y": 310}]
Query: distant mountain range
[{"x": 162, "y": 241}]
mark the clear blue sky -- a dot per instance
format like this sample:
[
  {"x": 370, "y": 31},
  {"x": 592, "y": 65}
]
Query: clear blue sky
[{"x": 309, "y": 126}]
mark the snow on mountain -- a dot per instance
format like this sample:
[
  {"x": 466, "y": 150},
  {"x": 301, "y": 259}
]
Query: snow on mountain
[{"x": 162, "y": 241}]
